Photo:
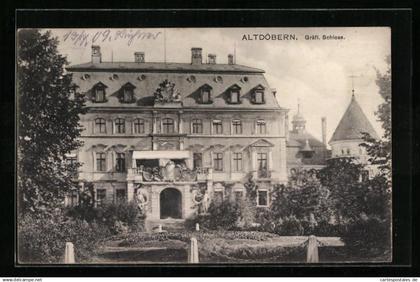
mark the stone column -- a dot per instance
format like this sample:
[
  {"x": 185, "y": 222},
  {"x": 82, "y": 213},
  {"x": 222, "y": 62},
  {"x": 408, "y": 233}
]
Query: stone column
[
  {"x": 270, "y": 160},
  {"x": 130, "y": 191},
  {"x": 180, "y": 122},
  {"x": 154, "y": 202},
  {"x": 187, "y": 211},
  {"x": 154, "y": 120},
  {"x": 253, "y": 160},
  {"x": 181, "y": 143}
]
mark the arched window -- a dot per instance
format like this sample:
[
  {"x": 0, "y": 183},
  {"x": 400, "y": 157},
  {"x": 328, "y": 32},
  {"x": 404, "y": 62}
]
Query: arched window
[
  {"x": 348, "y": 151},
  {"x": 119, "y": 125},
  {"x": 100, "y": 125},
  {"x": 138, "y": 126},
  {"x": 197, "y": 126},
  {"x": 99, "y": 93},
  {"x": 205, "y": 95},
  {"x": 127, "y": 93},
  {"x": 234, "y": 94},
  {"x": 168, "y": 125},
  {"x": 258, "y": 95}
]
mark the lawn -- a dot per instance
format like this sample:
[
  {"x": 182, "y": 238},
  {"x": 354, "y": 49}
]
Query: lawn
[{"x": 215, "y": 247}]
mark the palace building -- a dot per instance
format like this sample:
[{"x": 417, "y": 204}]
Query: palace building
[
  {"x": 304, "y": 151},
  {"x": 176, "y": 136}
]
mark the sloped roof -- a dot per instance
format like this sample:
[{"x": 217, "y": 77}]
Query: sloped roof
[
  {"x": 298, "y": 139},
  {"x": 297, "y": 142},
  {"x": 158, "y": 66},
  {"x": 147, "y": 80},
  {"x": 353, "y": 123}
]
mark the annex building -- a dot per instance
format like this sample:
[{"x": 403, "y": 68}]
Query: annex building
[{"x": 176, "y": 136}]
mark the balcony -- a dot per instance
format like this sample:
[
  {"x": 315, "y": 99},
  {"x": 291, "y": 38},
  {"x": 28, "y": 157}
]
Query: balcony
[
  {"x": 165, "y": 174},
  {"x": 262, "y": 174}
]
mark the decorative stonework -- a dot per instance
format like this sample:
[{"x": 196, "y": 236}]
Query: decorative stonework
[{"x": 167, "y": 93}]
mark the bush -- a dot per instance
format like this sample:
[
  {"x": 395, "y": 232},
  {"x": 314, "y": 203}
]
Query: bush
[
  {"x": 116, "y": 216},
  {"x": 42, "y": 239},
  {"x": 289, "y": 226},
  {"x": 368, "y": 237},
  {"x": 326, "y": 229},
  {"x": 224, "y": 215}
]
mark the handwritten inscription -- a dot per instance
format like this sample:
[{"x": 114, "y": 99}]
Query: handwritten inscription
[{"x": 129, "y": 36}]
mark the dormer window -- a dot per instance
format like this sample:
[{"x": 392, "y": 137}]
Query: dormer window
[
  {"x": 99, "y": 95},
  {"x": 205, "y": 95},
  {"x": 234, "y": 94},
  {"x": 258, "y": 95},
  {"x": 127, "y": 93}
]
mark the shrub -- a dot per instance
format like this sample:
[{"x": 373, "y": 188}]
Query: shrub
[
  {"x": 368, "y": 237},
  {"x": 326, "y": 229},
  {"x": 114, "y": 215},
  {"x": 223, "y": 215},
  {"x": 43, "y": 239},
  {"x": 289, "y": 226},
  {"x": 246, "y": 214},
  {"x": 265, "y": 220}
]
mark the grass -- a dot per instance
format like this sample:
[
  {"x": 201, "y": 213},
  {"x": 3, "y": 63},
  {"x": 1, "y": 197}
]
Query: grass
[{"x": 214, "y": 247}]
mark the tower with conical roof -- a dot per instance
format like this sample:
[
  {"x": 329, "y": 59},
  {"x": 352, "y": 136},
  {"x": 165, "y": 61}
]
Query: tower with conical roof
[{"x": 348, "y": 135}]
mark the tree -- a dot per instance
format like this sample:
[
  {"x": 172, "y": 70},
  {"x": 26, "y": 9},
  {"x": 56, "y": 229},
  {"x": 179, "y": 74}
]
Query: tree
[
  {"x": 342, "y": 177},
  {"x": 380, "y": 150},
  {"x": 303, "y": 197},
  {"x": 48, "y": 123}
]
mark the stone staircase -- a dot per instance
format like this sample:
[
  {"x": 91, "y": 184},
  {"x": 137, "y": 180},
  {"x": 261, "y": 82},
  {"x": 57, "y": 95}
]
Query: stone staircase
[{"x": 168, "y": 225}]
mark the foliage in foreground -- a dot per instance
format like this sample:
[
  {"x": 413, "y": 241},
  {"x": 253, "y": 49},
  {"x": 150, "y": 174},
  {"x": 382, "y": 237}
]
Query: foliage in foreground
[
  {"x": 42, "y": 239},
  {"x": 118, "y": 217},
  {"x": 48, "y": 123}
]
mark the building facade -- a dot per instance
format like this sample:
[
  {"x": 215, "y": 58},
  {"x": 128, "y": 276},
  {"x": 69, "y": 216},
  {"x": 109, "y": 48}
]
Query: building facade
[
  {"x": 304, "y": 151},
  {"x": 175, "y": 136}
]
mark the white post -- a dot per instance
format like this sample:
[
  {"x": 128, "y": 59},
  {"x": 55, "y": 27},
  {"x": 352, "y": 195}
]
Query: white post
[
  {"x": 193, "y": 251},
  {"x": 312, "y": 250},
  {"x": 197, "y": 227},
  {"x": 160, "y": 228},
  {"x": 69, "y": 253}
]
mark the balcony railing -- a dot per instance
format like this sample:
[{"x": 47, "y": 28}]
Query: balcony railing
[
  {"x": 262, "y": 173},
  {"x": 163, "y": 174}
]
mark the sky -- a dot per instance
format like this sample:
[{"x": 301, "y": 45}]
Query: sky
[{"x": 319, "y": 74}]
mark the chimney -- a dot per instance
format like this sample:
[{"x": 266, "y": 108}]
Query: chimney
[
  {"x": 139, "y": 57},
  {"x": 196, "y": 56},
  {"x": 324, "y": 130},
  {"x": 212, "y": 59},
  {"x": 274, "y": 91},
  {"x": 96, "y": 54},
  {"x": 230, "y": 59}
]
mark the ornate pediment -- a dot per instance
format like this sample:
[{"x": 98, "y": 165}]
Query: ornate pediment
[
  {"x": 217, "y": 147},
  {"x": 167, "y": 93},
  {"x": 261, "y": 143},
  {"x": 195, "y": 148},
  {"x": 236, "y": 147}
]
